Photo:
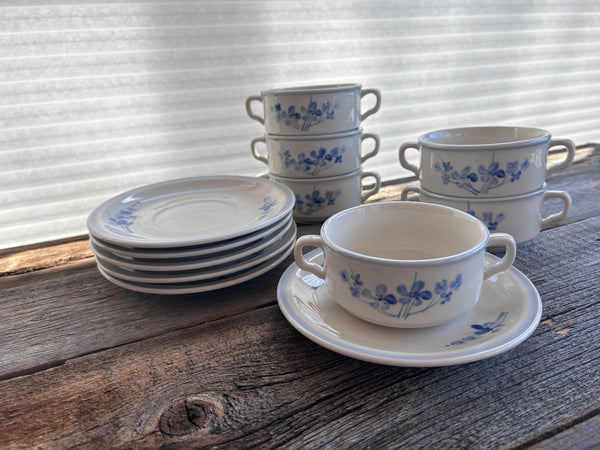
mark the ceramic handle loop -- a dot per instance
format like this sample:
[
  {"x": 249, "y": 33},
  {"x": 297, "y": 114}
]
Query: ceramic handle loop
[
  {"x": 375, "y": 150},
  {"x": 506, "y": 240},
  {"x": 402, "y": 155},
  {"x": 375, "y": 108},
  {"x": 255, "y": 151},
  {"x": 312, "y": 240},
  {"x": 249, "y": 100},
  {"x": 408, "y": 189},
  {"x": 570, "y": 146},
  {"x": 374, "y": 190},
  {"x": 562, "y": 195}
]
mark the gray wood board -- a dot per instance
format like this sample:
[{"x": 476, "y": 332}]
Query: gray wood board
[{"x": 259, "y": 382}]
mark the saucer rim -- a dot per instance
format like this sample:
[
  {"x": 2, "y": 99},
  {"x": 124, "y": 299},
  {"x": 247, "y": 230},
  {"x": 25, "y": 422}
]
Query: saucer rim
[
  {"x": 97, "y": 225},
  {"x": 193, "y": 263},
  {"x": 204, "y": 285},
  {"x": 203, "y": 274},
  {"x": 229, "y": 245}
]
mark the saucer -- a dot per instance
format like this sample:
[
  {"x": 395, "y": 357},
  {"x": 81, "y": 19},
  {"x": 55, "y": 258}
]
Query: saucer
[
  {"x": 194, "y": 263},
  {"x": 507, "y": 313},
  {"x": 265, "y": 236},
  {"x": 190, "y": 211},
  {"x": 202, "y": 286},
  {"x": 183, "y": 276}
]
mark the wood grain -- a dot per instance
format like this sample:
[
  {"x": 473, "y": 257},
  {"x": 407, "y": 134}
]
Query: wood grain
[
  {"x": 55, "y": 314},
  {"x": 260, "y": 383}
]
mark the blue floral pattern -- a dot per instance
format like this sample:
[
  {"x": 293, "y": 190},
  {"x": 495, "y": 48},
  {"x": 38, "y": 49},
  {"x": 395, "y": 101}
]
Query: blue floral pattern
[
  {"x": 406, "y": 301},
  {"x": 125, "y": 218},
  {"x": 315, "y": 161},
  {"x": 481, "y": 330},
  {"x": 269, "y": 203},
  {"x": 304, "y": 117},
  {"x": 315, "y": 201},
  {"x": 484, "y": 179},
  {"x": 490, "y": 220}
]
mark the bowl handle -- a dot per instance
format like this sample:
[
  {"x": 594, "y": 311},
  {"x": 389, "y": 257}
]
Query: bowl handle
[
  {"x": 565, "y": 197},
  {"x": 408, "y": 189},
  {"x": 375, "y": 189},
  {"x": 255, "y": 151},
  {"x": 403, "y": 161},
  {"x": 570, "y": 145},
  {"x": 249, "y": 100},
  {"x": 305, "y": 241},
  {"x": 375, "y": 108},
  {"x": 375, "y": 150},
  {"x": 506, "y": 240}
]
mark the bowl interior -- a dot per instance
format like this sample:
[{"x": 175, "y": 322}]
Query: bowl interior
[
  {"x": 405, "y": 231},
  {"x": 474, "y": 136}
]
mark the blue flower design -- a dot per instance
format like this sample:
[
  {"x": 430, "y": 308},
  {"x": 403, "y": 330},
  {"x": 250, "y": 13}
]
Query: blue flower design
[
  {"x": 515, "y": 170},
  {"x": 307, "y": 117},
  {"x": 354, "y": 281},
  {"x": 442, "y": 288},
  {"x": 315, "y": 201},
  {"x": 490, "y": 177},
  {"x": 482, "y": 330},
  {"x": 269, "y": 203},
  {"x": 492, "y": 174},
  {"x": 408, "y": 302},
  {"x": 381, "y": 300},
  {"x": 315, "y": 162},
  {"x": 416, "y": 295},
  {"x": 125, "y": 218},
  {"x": 488, "y": 218},
  {"x": 492, "y": 221}
]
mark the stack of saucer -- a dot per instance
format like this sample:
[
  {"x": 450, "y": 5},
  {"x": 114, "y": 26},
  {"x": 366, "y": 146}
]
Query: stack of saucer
[
  {"x": 193, "y": 234},
  {"x": 495, "y": 173},
  {"x": 314, "y": 145}
]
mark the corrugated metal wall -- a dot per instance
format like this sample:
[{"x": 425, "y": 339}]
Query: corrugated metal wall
[{"x": 96, "y": 98}]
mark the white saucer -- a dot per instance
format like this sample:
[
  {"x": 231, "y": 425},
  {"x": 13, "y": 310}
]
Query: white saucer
[
  {"x": 202, "y": 286},
  {"x": 196, "y": 262},
  {"x": 208, "y": 273},
  {"x": 191, "y": 211},
  {"x": 508, "y": 312},
  {"x": 236, "y": 244}
]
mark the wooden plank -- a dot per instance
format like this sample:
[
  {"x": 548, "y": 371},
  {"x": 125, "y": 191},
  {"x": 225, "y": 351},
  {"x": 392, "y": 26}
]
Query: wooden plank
[
  {"x": 583, "y": 436},
  {"x": 56, "y": 314},
  {"x": 43, "y": 257},
  {"x": 252, "y": 380}
]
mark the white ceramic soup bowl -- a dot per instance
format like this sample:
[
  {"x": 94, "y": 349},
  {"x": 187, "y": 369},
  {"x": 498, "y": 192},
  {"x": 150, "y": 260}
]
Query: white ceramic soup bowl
[
  {"x": 314, "y": 156},
  {"x": 518, "y": 215},
  {"x": 309, "y": 110},
  {"x": 485, "y": 161},
  {"x": 319, "y": 198},
  {"x": 404, "y": 264}
]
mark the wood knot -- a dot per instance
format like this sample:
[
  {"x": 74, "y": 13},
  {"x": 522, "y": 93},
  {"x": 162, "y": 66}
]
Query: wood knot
[{"x": 188, "y": 415}]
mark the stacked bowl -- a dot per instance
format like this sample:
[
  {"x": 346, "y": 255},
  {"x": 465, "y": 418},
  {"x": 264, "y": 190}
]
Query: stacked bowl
[
  {"x": 497, "y": 174},
  {"x": 314, "y": 145}
]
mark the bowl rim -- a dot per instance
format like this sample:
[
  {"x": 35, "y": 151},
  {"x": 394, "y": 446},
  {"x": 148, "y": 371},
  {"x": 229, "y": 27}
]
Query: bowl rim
[
  {"x": 402, "y": 263},
  {"x": 539, "y": 136},
  {"x": 312, "y": 89}
]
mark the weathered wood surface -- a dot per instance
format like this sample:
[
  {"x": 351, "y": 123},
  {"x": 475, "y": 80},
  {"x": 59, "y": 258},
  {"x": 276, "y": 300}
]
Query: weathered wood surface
[{"x": 84, "y": 363}]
